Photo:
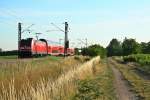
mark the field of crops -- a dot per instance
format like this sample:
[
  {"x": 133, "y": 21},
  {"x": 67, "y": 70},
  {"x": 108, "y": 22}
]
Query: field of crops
[{"x": 142, "y": 59}]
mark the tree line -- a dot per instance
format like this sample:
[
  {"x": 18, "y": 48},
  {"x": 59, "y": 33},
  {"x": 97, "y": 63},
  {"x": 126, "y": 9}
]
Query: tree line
[
  {"x": 117, "y": 48},
  {"x": 9, "y": 53},
  {"x": 127, "y": 47}
]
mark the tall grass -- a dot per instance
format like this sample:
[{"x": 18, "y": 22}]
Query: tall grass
[{"x": 61, "y": 87}]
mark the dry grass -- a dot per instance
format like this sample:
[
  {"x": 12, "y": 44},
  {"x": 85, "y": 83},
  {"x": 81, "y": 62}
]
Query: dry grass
[{"x": 50, "y": 81}]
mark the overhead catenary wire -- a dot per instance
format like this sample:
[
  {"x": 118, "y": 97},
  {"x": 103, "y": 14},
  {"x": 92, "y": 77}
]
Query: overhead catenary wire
[
  {"x": 6, "y": 22},
  {"x": 9, "y": 17},
  {"x": 27, "y": 29},
  {"x": 58, "y": 27},
  {"x": 84, "y": 42},
  {"x": 12, "y": 14}
]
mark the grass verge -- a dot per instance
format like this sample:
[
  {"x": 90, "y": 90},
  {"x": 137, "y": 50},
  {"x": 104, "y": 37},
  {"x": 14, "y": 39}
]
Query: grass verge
[
  {"x": 9, "y": 57},
  {"x": 98, "y": 86}
]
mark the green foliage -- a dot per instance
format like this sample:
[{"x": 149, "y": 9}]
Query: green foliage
[
  {"x": 114, "y": 48},
  {"x": 143, "y": 59},
  {"x": 145, "y": 47},
  {"x": 94, "y": 50},
  {"x": 140, "y": 58},
  {"x": 130, "y": 46},
  {"x": 9, "y": 53},
  {"x": 87, "y": 90}
]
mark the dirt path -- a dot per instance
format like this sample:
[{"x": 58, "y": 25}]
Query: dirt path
[{"x": 122, "y": 88}]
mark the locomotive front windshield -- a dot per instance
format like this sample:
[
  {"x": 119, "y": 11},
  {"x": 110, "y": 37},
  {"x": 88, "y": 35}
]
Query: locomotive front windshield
[{"x": 26, "y": 43}]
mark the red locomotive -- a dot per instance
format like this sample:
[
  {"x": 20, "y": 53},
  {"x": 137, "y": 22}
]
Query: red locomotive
[{"x": 30, "y": 47}]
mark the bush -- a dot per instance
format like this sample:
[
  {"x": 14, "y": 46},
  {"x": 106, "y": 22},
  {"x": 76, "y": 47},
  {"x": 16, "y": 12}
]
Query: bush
[
  {"x": 94, "y": 50},
  {"x": 129, "y": 59},
  {"x": 143, "y": 59}
]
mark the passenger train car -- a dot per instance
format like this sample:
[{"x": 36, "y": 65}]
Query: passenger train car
[{"x": 30, "y": 47}]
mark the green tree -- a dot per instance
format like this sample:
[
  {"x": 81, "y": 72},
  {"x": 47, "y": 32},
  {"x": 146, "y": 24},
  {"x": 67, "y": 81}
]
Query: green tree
[
  {"x": 148, "y": 47},
  {"x": 94, "y": 50},
  {"x": 0, "y": 49},
  {"x": 114, "y": 48},
  {"x": 145, "y": 47},
  {"x": 130, "y": 46}
]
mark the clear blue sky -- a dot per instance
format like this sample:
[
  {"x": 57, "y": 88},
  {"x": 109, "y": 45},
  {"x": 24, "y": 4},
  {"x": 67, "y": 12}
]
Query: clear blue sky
[{"x": 97, "y": 20}]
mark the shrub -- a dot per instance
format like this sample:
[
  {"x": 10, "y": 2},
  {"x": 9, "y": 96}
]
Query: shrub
[{"x": 94, "y": 50}]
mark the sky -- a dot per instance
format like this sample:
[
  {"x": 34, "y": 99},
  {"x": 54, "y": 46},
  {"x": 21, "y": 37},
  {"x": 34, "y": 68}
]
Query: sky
[{"x": 97, "y": 20}]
